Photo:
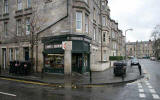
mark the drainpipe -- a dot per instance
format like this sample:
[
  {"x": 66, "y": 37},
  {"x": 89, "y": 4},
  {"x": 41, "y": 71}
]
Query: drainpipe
[{"x": 101, "y": 27}]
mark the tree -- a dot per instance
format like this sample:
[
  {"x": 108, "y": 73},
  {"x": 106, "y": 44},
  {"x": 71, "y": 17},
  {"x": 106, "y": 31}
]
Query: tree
[
  {"x": 155, "y": 35},
  {"x": 29, "y": 28}
]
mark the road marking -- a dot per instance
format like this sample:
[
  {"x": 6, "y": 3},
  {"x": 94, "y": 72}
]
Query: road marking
[
  {"x": 139, "y": 86},
  {"x": 142, "y": 95},
  {"x": 8, "y": 94},
  {"x": 150, "y": 87},
  {"x": 28, "y": 82},
  {"x": 148, "y": 84},
  {"x": 141, "y": 90},
  {"x": 155, "y": 96},
  {"x": 152, "y": 90}
]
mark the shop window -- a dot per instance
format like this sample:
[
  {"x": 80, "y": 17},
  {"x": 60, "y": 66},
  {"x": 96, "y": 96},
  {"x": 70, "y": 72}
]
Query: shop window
[{"x": 54, "y": 61}]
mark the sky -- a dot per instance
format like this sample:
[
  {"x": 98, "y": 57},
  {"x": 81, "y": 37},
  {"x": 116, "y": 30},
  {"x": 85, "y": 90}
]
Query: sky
[{"x": 140, "y": 15}]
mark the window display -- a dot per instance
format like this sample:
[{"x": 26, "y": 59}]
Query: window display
[{"x": 54, "y": 61}]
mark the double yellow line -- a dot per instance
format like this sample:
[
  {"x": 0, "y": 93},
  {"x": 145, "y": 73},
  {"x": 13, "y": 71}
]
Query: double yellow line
[{"x": 31, "y": 82}]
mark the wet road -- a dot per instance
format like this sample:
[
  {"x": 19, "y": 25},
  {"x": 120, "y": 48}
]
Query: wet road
[{"x": 143, "y": 89}]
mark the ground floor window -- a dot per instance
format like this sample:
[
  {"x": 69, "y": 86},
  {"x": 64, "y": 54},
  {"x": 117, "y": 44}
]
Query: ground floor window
[
  {"x": 26, "y": 53},
  {"x": 10, "y": 54},
  {"x": 54, "y": 61}
]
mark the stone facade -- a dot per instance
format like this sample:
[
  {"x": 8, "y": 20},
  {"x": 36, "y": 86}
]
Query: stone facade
[
  {"x": 140, "y": 49},
  {"x": 61, "y": 17}
]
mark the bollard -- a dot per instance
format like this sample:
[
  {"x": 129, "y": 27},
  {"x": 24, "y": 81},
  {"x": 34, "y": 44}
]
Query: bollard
[
  {"x": 42, "y": 73},
  {"x": 0, "y": 69},
  {"x": 90, "y": 76}
]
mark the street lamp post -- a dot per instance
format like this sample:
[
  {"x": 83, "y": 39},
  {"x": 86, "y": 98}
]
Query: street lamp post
[{"x": 126, "y": 41}]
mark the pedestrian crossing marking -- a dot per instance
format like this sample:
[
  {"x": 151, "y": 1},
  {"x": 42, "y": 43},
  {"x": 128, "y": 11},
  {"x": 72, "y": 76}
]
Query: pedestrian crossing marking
[
  {"x": 155, "y": 96},
  {"x": 148, "y": 84},
  {"x": 142, "y": 95},
  {"x": 141, "y": 90},
  {"x": 139, "y": 86},
  {"x": 150, "y": 87},
  {"x": 152, "y": 90}
]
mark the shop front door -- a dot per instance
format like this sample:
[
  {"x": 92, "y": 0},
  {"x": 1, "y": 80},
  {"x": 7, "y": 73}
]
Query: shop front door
[{"x": 77, "y": 63}]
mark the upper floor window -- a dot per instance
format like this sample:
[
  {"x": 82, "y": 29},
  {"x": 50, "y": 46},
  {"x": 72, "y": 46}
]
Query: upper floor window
[
  {"x": 18, "y": 27},
  {"x": 5, "y": 6},
  {"x": 78, "y": 20},
  {"x": 94, "y": 13},
  {"x": 104, "y": 21},
  {"x": 6, "y": 28},
  {"x": 28, "y": 3},
  {"x": 27, "y": 26},
  {"x": 86, "y": 23},
  {"x": 104, "y": 36},
  {"x": 19, "y": 4},
  {"x": 94, "y": 33}
]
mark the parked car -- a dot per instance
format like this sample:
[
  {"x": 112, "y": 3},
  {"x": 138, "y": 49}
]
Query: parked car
[
  {"x": 120, "y": 68},
  {"x": 134, "y": 61},
  {"x": 153, "y": 58}
]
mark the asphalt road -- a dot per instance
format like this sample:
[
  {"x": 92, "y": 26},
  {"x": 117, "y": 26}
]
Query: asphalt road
[{"x": 144, "y": 89}]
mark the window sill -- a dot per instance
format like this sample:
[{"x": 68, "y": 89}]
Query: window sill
[
  {"x": 30, "y": 8},
  {"x": 19, "y": 11},
  {"x": 6, "y": 14}
]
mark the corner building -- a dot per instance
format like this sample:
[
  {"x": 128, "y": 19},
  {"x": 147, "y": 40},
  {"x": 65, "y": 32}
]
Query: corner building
[{"x": 71, "y": 35}]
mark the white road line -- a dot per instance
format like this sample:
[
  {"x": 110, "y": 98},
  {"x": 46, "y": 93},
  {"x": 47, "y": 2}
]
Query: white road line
[
  {"x": 150, "y": 87},
  {"x": 141, "y": 90},
  {"x": 152, "y": 90},
  {"x": 8, "y": 94},
  {"x": 155, "y": 96},
  {"x": 148, "y": 84},
  {"x": 142, "y": 95},
  {"x": 139, "y": 86}
]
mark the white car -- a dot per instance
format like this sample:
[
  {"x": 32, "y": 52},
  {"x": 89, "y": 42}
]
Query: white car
[{"x": 153, "y": 58}]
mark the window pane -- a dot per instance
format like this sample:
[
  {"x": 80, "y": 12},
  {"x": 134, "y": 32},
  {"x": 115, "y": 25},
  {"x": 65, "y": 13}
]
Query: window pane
[
  {"x": 86, "y": 23},
  {"x": 19, "y": 4},
  {"x": 79, "y": 20},
  {"x": 27, "y": 26},
  {"x": 6, "y": 29},
  {"x": 5, "y": 6},
  {"x": 28, "y": 3}
]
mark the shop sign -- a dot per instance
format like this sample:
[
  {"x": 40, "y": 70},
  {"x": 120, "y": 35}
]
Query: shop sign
[
  {"x": 67, "y": 45},
  {"x": 53, "y": 46},
  {"x": 64, "y": 45}
]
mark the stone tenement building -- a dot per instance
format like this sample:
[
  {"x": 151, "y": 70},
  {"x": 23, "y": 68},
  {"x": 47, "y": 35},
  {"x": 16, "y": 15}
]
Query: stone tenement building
[
  {"x": 59, "y": 35},
  {"x": 140, "y": 49}
]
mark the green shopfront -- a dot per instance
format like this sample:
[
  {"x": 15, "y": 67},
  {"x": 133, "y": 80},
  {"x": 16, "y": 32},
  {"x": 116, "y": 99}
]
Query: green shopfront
[{"x": 54, "y": 48}]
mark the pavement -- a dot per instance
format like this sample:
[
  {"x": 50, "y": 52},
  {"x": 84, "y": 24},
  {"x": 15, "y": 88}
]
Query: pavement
[{"x": 98, "y": 78}]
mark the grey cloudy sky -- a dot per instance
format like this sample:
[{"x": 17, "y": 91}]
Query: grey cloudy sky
[{"x": 141, "y": 15}]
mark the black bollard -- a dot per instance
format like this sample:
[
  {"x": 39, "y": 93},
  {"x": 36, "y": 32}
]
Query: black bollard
[
  {"x": 140, "y": 69},
  {"x": 90, "y": 76},
  {"x": 42, "y": 73}
]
